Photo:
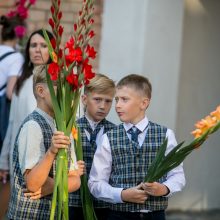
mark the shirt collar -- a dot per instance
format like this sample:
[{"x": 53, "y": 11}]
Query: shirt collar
[
  {"x": 92, "y": 123},
  {"x": 141, "y": 125},
  {"x": 45, "y": 115}
]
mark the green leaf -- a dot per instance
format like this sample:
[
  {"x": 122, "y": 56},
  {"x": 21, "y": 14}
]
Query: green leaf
[
  {"x": 50, "y": 48},
  {"x": 155, "y": 163}
]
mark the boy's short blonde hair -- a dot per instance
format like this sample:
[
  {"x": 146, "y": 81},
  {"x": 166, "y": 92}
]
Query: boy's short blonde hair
[
  {"x": 39, "y": 76},
  {"x": 138, "y": 83},
  {"x": 100, "y": 84}
]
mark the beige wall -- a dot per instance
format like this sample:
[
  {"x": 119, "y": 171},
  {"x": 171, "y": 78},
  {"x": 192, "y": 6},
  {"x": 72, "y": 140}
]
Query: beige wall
[
  {"x": 176, "y": 44},
  {"x": 199, "y": 94}
]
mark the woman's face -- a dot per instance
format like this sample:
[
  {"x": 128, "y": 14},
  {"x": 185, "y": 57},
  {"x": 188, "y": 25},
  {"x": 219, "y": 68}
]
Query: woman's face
[{"x": 38, "y": 50}]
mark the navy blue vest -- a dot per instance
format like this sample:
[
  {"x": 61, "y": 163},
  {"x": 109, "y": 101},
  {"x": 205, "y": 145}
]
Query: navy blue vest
[
  {"x": 88, "y": 154},
  {"x": 21, "y": 207},
  {"x": 130, "y": 164}
]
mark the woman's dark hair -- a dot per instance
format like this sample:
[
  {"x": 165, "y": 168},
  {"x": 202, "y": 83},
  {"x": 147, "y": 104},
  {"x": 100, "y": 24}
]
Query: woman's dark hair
[
  {"x": 27, "y": 68},
  {"x": 8, "y": 27}
]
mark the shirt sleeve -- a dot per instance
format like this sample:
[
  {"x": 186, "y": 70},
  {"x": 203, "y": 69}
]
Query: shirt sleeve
[
  {"x": 100, "y": 172},
  {"x": 175, "y": 178},
  {"x": 29, "y": 145},
  {"x": 15, "y": 64}
]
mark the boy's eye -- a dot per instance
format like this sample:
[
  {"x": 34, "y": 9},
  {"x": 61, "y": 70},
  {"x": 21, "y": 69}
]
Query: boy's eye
[
  {"x": 108, "y": 101},
  {"x": 98, "y": 99},
  {"x": 124, "y": 99}
]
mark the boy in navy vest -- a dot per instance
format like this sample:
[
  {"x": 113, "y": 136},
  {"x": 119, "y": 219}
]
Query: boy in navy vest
[
  {"x": 36, "y": 147},
  {"x": 125, "y": 154},
  {"x": 97, "y": 101}
]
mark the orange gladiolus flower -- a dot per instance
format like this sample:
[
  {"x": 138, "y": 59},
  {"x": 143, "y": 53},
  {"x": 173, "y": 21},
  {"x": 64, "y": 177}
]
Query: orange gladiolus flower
[
  {"x": 206, "y": 123},
  {"x": 216, "y": 113},
  {"x": 54, "y": 57},
  {"x": 75, "y": 133}
]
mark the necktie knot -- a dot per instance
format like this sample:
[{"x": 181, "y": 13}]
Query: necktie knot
[
  {"x": 134, "y": 132},
  {"x": 93, "y": 133}
]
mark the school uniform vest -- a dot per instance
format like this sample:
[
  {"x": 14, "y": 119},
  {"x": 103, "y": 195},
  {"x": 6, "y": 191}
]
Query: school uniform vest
[
  {"x": 131, "y": 162},
  {"x": 21, "y": 207},
  {"x": 88, "y": 154}
]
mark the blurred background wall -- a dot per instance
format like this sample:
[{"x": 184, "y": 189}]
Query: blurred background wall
[{"x": 176, "y": 43}]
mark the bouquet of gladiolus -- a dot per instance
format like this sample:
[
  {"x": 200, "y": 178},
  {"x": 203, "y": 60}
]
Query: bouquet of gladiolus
[
  {"x": 163, "y": 164},
  {"x": 20, "y": 13},
  {"x": 70, "y": 68}
]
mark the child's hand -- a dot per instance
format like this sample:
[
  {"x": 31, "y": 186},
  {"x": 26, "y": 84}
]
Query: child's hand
[
  {"x": 134, "y": 194},
  {"x": 155, "y": 189},
  {"x": 45, "y": 190},
  {"x": 33, "y": 195},
  {"x": 4, "y": 175},
  {"x": 59, "y": 141},
  {"x": 81, "y": 167}
]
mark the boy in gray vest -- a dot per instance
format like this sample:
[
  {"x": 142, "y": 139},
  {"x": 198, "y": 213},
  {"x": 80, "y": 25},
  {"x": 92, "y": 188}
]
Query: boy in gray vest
[
  {"x": 36, "y": 147},
  {"x": 97, "y": 101},
  {"x": 125, "y": 154}
]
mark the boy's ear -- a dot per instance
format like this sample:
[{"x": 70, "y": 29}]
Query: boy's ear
[
  {"x": 40, "y": 90},
  {"x": 84, "y": 99},
  {"x": 145, "y": 103}
]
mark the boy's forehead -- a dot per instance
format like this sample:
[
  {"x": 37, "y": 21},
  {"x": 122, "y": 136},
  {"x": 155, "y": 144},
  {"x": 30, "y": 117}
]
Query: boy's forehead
[
  {"x": 101, "y": 94},
  {"x": 125, "y": 91}
]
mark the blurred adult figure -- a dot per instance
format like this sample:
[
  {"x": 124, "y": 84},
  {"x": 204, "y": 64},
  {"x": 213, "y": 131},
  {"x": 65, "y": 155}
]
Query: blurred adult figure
[{"x": 10, "y": 67}]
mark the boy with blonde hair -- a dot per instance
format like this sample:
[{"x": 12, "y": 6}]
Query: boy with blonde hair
[
  {"x": 97, "y": 101},
  {"x": 125, "y": 154},
  {"x": 34, "y": 156}
]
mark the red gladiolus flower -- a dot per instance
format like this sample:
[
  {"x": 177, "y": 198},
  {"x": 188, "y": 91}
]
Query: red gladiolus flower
[
  {"x": 11, "y": 14},
  {"x": 60, "y": 53},
  {"x": 91, "y": 34},
  {"x": 51, "y": 23},
  {"x": 74, "y": 55},
  {"x": 70, "y": 43},
  {"x": 53, "y": 70},
  {"x": 53, "y": 43},
  {"x": 75, "y": 27},
  {"x": 60, "y": 15},
  {"x": 20, "y": 31},
  {"x": 22, "y": 11},
  {"x": 91, "y": 21},
  {"x": 72, "y": 79},
  {"x": 80, "y": 37},
  {"x": 60, "y": 31},
  {"x": 52, "y": 10},
  {"x": 90, "y": 52},
  {"x": 88, "y": 74},
  {"x": 32, "y": 2}
]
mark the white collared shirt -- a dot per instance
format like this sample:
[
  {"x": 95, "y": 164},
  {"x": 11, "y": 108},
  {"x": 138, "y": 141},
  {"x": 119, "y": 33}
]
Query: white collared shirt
[{"x": 102, "y": 164}]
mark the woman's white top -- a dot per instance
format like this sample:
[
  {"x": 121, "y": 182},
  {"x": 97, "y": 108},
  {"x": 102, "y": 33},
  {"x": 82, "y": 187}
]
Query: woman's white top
[{"x": 10, "y": 65}]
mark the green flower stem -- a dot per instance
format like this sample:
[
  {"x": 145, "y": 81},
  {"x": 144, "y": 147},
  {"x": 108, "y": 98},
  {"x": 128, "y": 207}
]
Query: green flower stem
[{"x": 163, "y": 164}]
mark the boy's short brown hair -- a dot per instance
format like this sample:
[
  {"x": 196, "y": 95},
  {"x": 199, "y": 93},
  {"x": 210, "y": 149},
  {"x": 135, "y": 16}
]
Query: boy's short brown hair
[
  {"x": 100, "y": 84},
  {"x": 138, "y": 83}
]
